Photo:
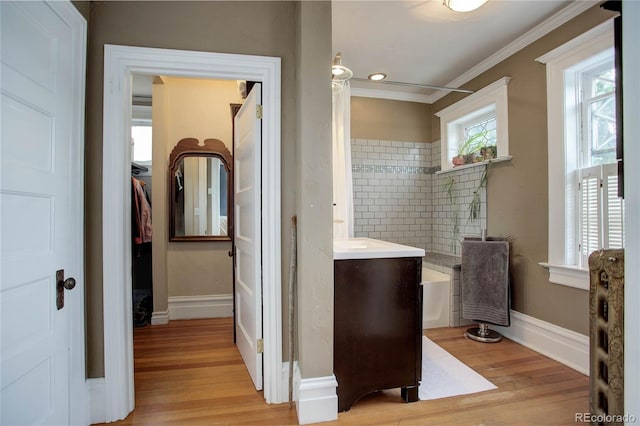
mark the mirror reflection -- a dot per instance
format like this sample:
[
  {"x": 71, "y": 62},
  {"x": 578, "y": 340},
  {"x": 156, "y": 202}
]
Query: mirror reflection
[
  {"x": 200, "y": 188},
  {"x": 201, "y": 197}
]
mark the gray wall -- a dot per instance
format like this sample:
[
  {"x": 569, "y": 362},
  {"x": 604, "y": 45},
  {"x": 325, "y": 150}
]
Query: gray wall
[
  {"x": 315, "y": 191},
  {"x": 256, "y": 28}
]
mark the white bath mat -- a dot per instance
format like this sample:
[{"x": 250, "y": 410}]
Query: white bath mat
[{"x": 443, "y": 375}]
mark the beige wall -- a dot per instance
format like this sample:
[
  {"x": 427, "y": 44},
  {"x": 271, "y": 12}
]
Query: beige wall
[
  {"x": 517, "y": 191},
  {"x": 256, "y": 28},
  {"x": 200, "y": 109},
  {"x": 315, "y": 191},
  {"x": 390, "y": 120}
]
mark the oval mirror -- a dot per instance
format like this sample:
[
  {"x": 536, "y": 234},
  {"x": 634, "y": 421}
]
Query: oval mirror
[{"x": 200, "y": 184}]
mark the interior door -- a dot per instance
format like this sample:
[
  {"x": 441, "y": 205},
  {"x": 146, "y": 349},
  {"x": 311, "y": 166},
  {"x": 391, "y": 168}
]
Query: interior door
[
  {"x": 247, "y": 234},
  {"x": 41, "y": 210}
]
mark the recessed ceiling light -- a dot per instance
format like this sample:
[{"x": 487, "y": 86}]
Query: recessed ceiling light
[{"x": 377, "y": 76}]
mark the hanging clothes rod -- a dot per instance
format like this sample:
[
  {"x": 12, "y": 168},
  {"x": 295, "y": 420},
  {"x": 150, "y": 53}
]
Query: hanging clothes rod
[
  {"x": 423, "y": 86},
  {"x": 138, "y": 167}
]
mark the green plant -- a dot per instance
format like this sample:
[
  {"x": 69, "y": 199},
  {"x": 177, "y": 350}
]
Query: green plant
[
  {"x": 474, "y": 205},
  {"x": 448, "y": 185},
  {"x": 473, "y": 143}
]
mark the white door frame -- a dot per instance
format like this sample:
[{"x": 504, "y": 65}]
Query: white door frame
[{"x": 120, "y": 62}]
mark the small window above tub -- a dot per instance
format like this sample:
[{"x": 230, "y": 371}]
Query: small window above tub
[{"x": 475, "y": 130}]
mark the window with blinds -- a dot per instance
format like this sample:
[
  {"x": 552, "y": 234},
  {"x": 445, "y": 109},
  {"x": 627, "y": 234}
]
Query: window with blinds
[
  {"x": 585, "y": 214},
  {"x": 601, "y": 211}
]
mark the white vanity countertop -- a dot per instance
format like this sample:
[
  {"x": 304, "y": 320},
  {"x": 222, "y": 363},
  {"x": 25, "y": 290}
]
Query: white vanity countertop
[{"x": 368, "y": 248}]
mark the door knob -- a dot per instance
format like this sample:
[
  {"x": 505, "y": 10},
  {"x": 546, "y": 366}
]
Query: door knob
[
  {"x": 69, "y": 283},
  {"x": 61, "y": 284}
]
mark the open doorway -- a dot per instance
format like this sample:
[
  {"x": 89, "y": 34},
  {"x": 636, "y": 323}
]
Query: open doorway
[
  {"x": 141, "y": 205},
  {"x": 120, "y": 63},
  {"x": 193, "y": 270},
  {"x": 193, "y": 120}
]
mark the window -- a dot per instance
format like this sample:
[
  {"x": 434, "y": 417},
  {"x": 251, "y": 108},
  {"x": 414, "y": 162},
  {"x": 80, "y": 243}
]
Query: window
[
  {"x": 599, "y": 114},
  {"x": 141, "y": 133},
  {"x": 478, "y": 121},
  {"x": 141, "y": 142},
  {"x": 601, "y": 220},
  {"x": 484, "y": 130},
  {"x": 585, "y": 213}
]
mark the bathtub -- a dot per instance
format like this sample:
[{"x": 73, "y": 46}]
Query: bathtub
[{"x": 435, "y": 298}]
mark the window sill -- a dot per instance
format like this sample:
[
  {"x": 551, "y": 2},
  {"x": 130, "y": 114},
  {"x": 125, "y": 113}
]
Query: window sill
[
  {"x": 571, "y": 276},
  {"x": 478, "y": 164}
]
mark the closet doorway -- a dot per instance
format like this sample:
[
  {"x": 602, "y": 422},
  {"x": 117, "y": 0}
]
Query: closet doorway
[
  {"x": 189, "y": 120},
  {"x": 121, "y": 62},
  {"x": 141, "y": 204}
]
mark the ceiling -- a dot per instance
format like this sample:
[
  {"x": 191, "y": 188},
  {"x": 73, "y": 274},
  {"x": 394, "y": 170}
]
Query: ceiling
[{"x": 424, "y": 42}]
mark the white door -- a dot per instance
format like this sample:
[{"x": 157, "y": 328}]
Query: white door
[
  {"x": 247, "y": 234},
  {"x": 41, "y": 211}
]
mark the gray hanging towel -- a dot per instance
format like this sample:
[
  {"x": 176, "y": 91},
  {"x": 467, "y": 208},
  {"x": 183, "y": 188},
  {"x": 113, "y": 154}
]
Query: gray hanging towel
[{"x": 485, "y": 281}]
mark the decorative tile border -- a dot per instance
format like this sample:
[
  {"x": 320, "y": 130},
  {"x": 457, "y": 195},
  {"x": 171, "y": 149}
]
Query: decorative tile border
[{"x": 407, "y": 170}]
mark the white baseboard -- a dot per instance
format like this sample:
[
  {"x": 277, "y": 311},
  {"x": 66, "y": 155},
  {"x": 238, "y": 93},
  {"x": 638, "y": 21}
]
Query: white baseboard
[
  {"x": 208, "y": 306},
  {"x": 95, "y": 389},
  {"x": 565, "y": 346},
  {"x": 160, "y": 318},
  {"x": 316, "y": 398}
]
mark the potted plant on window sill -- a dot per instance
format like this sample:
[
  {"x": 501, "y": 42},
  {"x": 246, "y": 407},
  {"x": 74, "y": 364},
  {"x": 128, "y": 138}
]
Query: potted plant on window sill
[{"x": 474, "y": 150}]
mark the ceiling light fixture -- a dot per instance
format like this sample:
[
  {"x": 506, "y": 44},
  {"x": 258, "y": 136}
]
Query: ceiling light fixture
[
  {"x": 339, "y": 71},
  {"x": 378, "y": 76},
  {"x": 463, "y": 5}
]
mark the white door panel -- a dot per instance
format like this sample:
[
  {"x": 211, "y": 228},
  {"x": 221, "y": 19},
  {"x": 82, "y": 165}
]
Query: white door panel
[
  {"x": 39, "y": 208},
  {"x": 248, "y": 262}
]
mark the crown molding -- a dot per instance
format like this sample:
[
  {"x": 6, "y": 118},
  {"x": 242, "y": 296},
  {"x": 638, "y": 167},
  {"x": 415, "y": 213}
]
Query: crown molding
[
  {"x": 537, "y": 32},
  {"x": 602, "y": 33}
]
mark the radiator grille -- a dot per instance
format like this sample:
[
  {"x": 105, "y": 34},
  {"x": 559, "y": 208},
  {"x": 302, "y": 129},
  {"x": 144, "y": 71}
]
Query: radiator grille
[{"x": 606, "y": 292}]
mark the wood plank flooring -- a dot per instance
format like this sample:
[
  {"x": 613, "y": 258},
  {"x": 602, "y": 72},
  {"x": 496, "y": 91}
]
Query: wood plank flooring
[{"x": 190, "y": 373}]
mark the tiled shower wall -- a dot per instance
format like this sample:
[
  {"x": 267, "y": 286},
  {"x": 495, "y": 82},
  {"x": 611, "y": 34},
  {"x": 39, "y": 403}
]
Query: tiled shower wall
[
  {"x": 451, "y": 219},
  {"x": 392, "y": 191},
  {"x": 398, "y": 196}
]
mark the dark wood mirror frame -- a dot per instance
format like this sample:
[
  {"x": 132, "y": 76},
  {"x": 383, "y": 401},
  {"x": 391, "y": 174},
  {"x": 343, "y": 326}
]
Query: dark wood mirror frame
[{"x": 190, "y": 147}]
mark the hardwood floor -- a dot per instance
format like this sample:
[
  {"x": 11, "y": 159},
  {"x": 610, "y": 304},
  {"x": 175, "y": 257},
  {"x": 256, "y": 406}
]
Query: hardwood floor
[{"x": 190, "y": 373}]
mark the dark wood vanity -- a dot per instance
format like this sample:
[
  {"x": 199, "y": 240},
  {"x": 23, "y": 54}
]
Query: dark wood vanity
[{"x": 377, "y": 327}]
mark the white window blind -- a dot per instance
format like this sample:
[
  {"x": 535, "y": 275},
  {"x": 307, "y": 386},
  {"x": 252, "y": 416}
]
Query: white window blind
[
  {"x": 590, "y": 206},
  {"x": 614, "y": 209},
  {"x": 601, "y": 211}
]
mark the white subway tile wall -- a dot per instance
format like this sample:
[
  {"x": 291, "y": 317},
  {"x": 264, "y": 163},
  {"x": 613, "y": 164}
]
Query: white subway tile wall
[
  {"x": 399, "y": 198},
  {"x": 392, "y": 191},
  {"x": 452, "y": 195}
]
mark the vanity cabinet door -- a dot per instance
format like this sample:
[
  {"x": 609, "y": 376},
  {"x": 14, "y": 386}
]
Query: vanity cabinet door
[{"x": 377, "y": 327}]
